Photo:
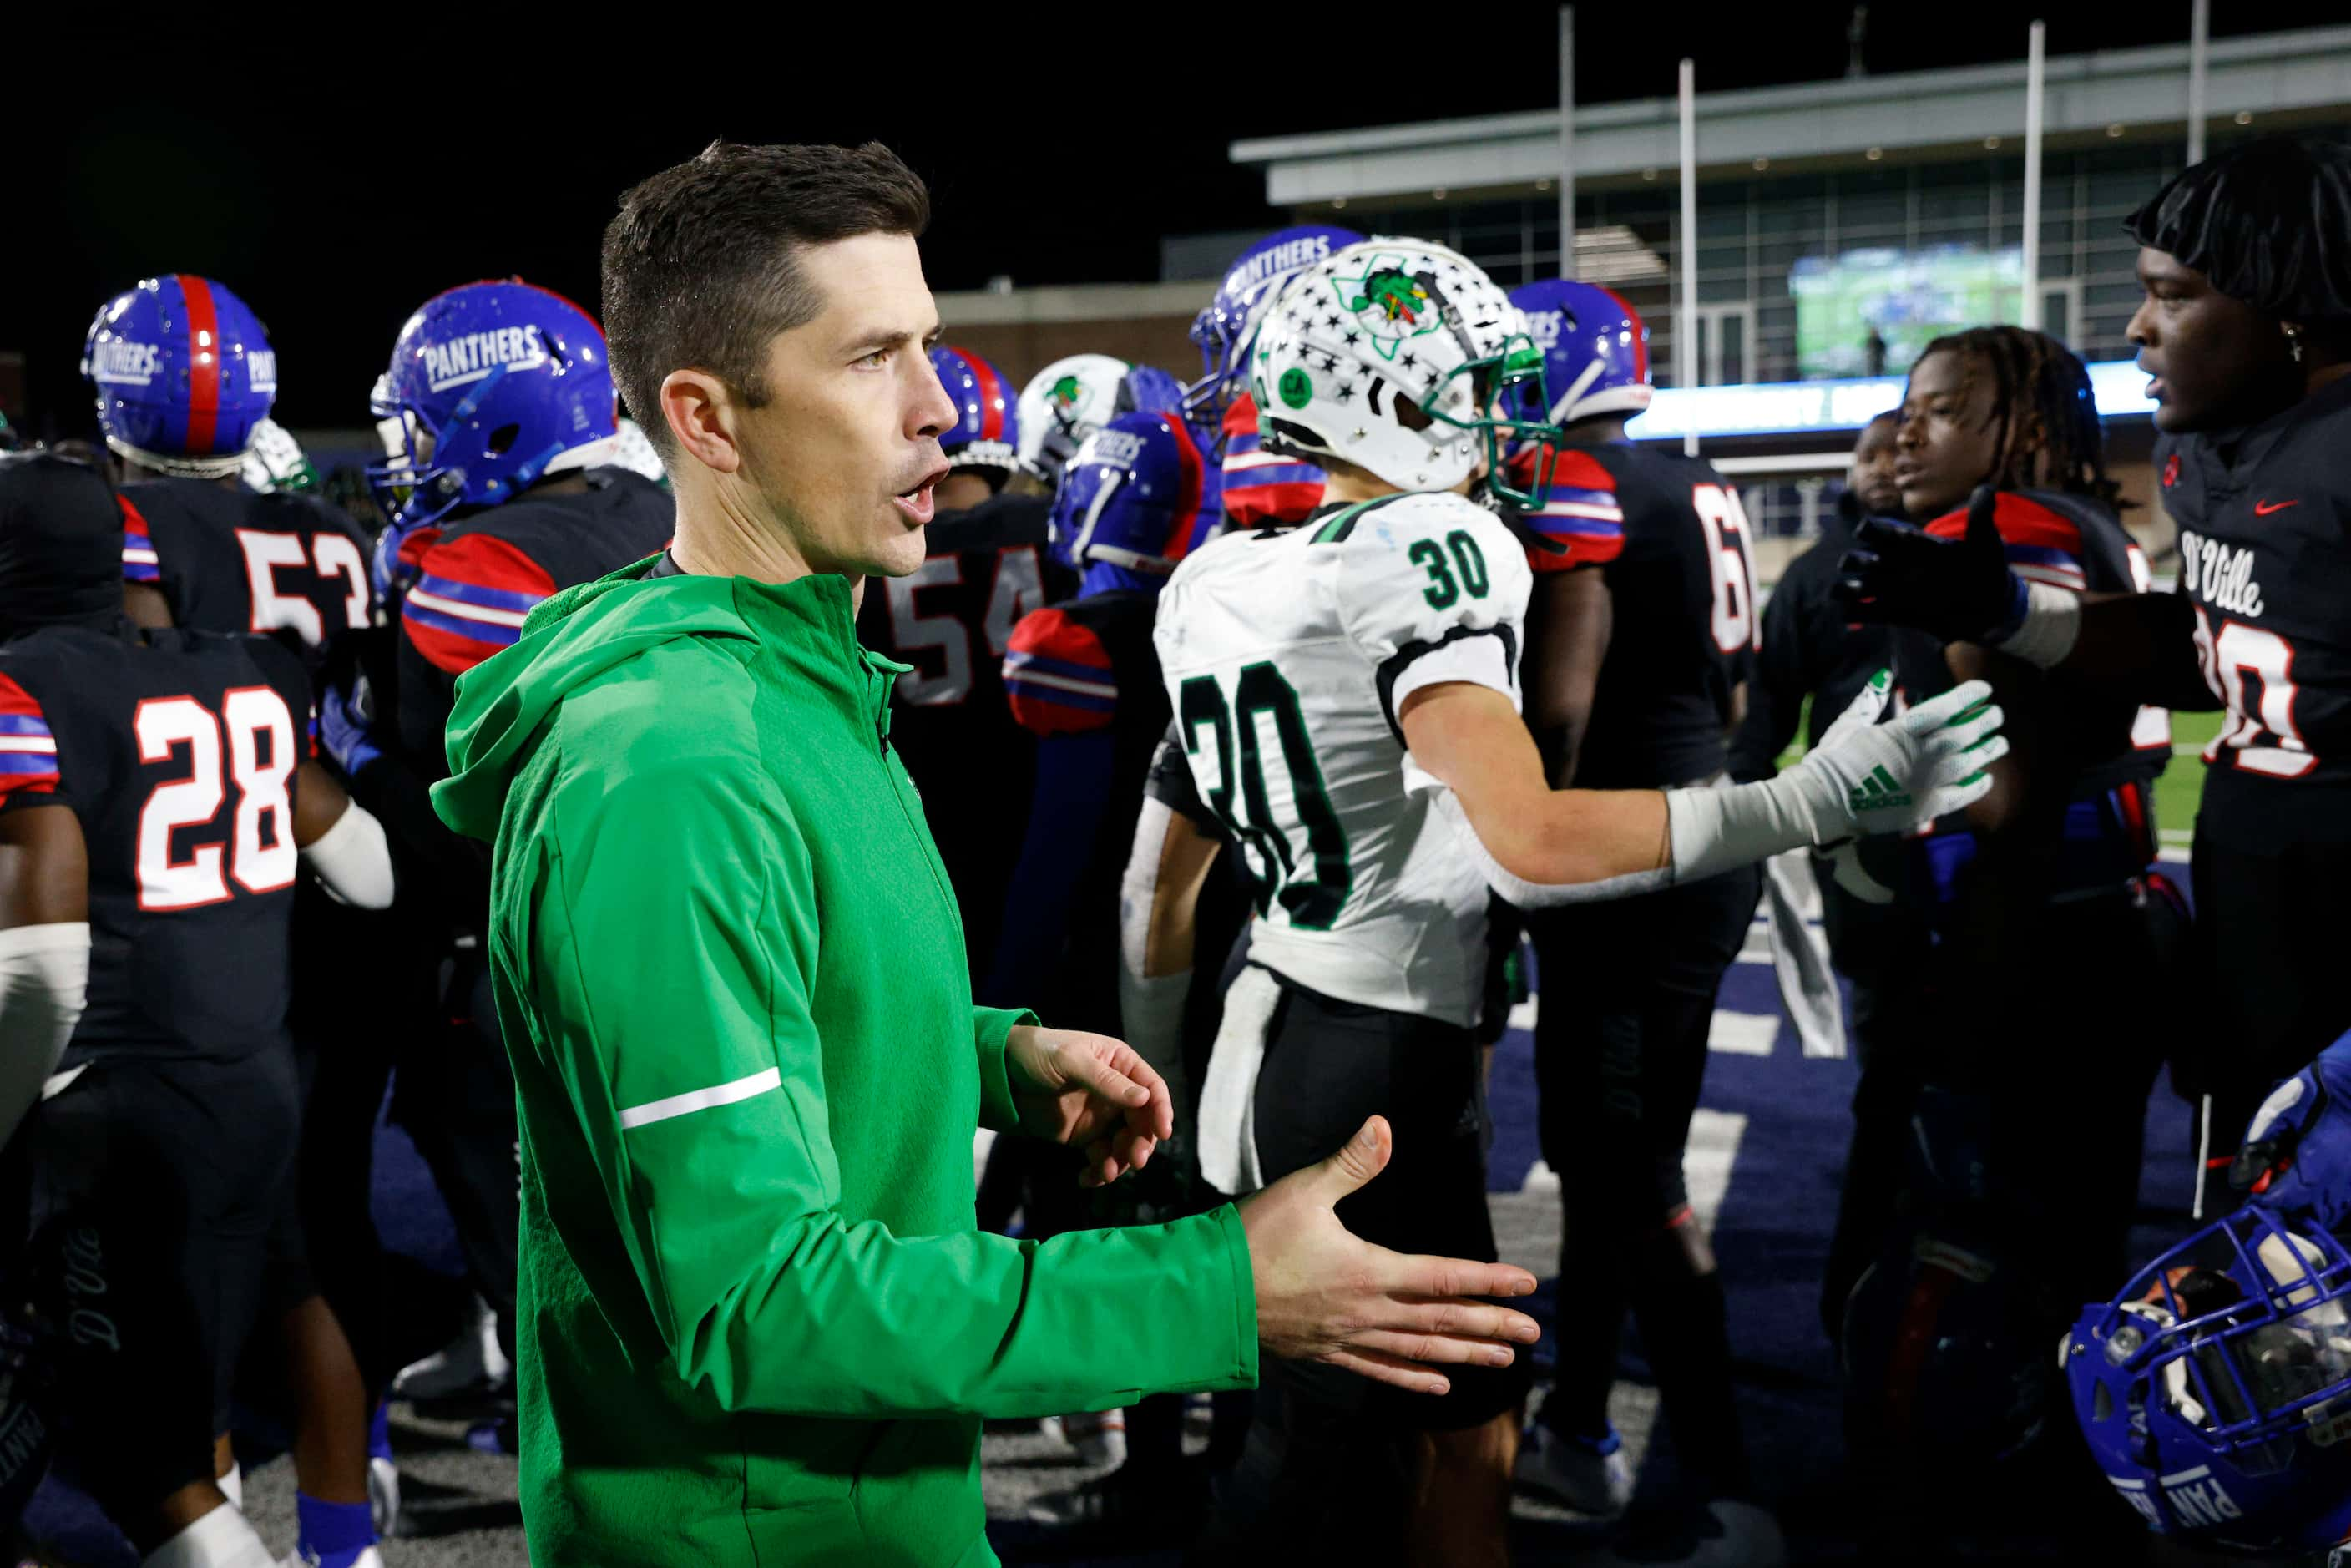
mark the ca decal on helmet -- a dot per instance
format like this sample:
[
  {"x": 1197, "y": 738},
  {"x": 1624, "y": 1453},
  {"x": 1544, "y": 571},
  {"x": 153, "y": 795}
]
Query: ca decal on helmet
[{"x": 1391, "y": 307}]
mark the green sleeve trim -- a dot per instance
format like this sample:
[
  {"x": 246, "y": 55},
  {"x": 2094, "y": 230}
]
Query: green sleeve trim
[{"x": 991, "y": 1027}]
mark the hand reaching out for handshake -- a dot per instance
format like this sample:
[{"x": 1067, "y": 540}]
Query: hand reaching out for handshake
[{"x": 1325, "y": 1294}]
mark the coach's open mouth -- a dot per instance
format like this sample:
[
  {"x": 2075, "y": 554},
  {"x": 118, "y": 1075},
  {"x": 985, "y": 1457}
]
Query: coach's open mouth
[{"x": 918, "y": 500}]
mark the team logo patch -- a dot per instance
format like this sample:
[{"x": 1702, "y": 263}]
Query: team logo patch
[
  {"x": 1297, "y": 387},
  {"x": 1390, "y": 306},
  {"x": 2171, "y": 471}
]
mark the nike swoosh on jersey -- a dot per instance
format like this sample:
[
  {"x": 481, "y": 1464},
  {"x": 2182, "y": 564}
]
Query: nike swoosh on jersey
[{"x": 2263, "y": 508}]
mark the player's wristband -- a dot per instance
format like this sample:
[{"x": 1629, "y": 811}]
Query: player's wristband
[
  {"x": 43, "y": 983},
  {"x": 2043, "y": 633},
  {"x": 351, "y": 860},
  {"x": 1715, "y": 831}
]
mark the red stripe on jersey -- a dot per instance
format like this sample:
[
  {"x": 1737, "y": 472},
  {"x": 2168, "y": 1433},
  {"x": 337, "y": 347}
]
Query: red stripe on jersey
[
  {"x": 1240, "y": 416},
  {"x": 479, "y": 560},
  {"x": 1583, "y": 550},
  {"x": 27, "y": 772},
  {"x": 413, "y": 549},
  {"x": 1058, "y": 677},
  {"x": 476, "y": 560},
  {"x": 1264, "y": 505},
  {"x": 2021, "y": 521},
  {"x": 204, "y": 360}
]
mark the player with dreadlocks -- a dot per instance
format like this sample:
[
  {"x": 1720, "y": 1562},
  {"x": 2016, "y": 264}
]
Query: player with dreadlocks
[
  {"x": 2035, "y": 894},
  {"x": 2246, "y": 329}
]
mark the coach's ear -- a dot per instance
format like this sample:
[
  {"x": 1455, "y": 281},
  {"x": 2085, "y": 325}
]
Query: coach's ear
[{"x": 700, "y": 412}]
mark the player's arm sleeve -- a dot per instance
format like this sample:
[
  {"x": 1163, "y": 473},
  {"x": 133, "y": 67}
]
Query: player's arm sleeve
[
  {"x": 1581, "y": 521},
  {"x": 1158, "y": 929},
  {"x": 673, "y": 944}
]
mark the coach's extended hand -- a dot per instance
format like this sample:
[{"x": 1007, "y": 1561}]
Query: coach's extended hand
[{"x": 1323, "y": 1294}]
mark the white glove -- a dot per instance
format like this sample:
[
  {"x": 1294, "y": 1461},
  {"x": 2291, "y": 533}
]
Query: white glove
[
  {"x": 1869, "y": 778},
  {"x": 1863, "y": 778}
]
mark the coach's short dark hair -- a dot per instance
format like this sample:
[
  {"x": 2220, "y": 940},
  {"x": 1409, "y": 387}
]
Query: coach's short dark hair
[{"x": 702, "y": 264}]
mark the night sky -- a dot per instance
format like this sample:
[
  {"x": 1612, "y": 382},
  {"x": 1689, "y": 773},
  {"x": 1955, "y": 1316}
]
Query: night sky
[{"x": 335, "y": 189}]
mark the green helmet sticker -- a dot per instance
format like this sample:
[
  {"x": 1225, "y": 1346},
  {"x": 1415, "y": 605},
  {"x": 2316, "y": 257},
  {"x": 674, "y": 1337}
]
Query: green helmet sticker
[
  {"x": 1297, "y": 387},
  {"x": 1067, "y": 391},
  {"x": 1390, "y": 306}
]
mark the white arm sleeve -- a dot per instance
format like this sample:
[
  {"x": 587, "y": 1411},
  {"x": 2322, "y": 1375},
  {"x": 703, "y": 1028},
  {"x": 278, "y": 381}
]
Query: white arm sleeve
[
  {"x": 1149, "y": 1007},
  {"x": 43, "y": 982},
  {"x": 351, "y": 860},
  {"x": 2053, "y": 620}
]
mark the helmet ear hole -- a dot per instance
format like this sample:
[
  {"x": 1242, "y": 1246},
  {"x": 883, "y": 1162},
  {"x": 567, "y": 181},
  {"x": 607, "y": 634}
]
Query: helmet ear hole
[
  {"x": 502, "y": 439},
  {"x": 2101, "y": 1404}
]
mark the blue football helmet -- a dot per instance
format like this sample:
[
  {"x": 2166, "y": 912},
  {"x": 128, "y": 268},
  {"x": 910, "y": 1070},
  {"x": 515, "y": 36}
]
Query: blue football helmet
[
  {"x": 2215, "y": 1390},
  {"x": 1228, "y": 325},
  {"x": 1595, "y": 349},
  {"x": 1132, "y": 497},
  {"x": 183, "y": 372},
  {"x": 987, "y": 433},
  {"x": 490, "y": 384}
]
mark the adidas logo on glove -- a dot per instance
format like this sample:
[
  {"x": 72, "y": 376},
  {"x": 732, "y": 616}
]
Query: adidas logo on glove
[{"x": 1878, "y": 791}]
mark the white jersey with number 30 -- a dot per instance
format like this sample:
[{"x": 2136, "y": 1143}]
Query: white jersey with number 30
[{"x": 1287, "y": 656}]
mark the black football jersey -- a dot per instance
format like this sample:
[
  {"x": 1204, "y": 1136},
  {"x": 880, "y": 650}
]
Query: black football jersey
[
  {"x": 1087, "y": 668},
  {"x": 2265, "y": 518},
  {"x": 480, "y": 577},
  {"x": 177, "y": 749},
  {"x": 233, "y": 561},
  {"x": 1671, "y": 535},
  {"x": 952, "y": 620}
]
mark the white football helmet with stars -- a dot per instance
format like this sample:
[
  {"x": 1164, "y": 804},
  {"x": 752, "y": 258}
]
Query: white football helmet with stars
[{"x": 1391, "y": 355}]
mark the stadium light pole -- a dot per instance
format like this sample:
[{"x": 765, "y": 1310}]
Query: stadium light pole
[
  {"x": 1567, "y": 140},
  {"x": 2200, "y": 45},
  {"x": 2033, "y": 86},
  {"x": 1686, "y": 330}
]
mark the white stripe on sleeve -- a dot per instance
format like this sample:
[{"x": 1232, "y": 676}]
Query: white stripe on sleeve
[{"x": 702, "y": 1099}]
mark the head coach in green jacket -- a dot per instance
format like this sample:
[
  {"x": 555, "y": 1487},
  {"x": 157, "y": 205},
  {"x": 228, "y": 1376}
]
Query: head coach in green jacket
[{"x": 758, "y": 1322}]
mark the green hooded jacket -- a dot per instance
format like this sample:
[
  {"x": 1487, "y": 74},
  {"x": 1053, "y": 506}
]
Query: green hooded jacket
[{"x": 758, "y": 1323}]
